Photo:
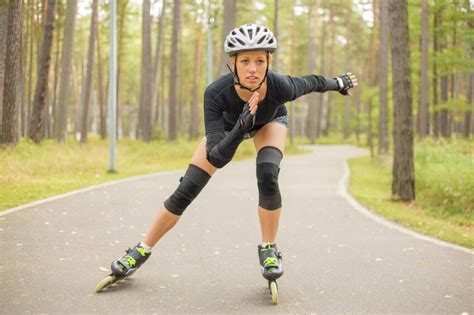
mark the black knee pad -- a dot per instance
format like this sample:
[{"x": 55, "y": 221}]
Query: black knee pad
[
  {"x": 189, "y": 187},
  {"x": 268, "y": 168}
]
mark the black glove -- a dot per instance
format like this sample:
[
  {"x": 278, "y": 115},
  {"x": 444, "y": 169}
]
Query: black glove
[
  {"x": 246, "y": 119},
  {"x": 344, "y": 82}
]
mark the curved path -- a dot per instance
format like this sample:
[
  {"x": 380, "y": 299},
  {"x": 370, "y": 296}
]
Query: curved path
[{"x": 336, "y": 258}]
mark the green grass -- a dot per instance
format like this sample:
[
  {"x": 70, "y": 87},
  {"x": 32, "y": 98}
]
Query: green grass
[
  {"x": 444, "y": 174},
  {"x": 30, "y": 172}
]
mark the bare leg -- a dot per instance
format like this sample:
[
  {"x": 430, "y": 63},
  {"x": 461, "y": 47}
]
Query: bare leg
[
  {"x": 165, "y": 220},
  {"x": 272, "y": 134}
]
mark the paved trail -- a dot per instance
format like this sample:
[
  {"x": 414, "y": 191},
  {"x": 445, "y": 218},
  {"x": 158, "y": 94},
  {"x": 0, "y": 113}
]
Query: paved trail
[{"x": 335, "y": 258}]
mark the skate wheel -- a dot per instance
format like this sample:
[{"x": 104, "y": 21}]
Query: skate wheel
[
  {"x": 105, "y": 283},
  {"x": 274, "y": 291}
]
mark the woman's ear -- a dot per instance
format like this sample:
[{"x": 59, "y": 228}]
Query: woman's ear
[{"x": 231, "y": 61}]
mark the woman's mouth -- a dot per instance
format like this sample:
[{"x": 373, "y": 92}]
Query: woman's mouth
[{"x": 252, "y": 78}]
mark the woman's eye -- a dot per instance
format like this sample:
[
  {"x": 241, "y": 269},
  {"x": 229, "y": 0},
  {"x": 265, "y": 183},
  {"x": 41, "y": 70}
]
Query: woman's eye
[
  {"x": 245, "y": 61},
  {"x": 260, "y": 62}
]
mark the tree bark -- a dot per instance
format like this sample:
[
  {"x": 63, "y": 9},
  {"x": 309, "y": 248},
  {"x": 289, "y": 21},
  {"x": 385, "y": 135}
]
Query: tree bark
[
  {"x": 403, "y": 181},
  {"x": 435, "y": 75},
  {"x": 320, "y": 104},
  {"x": 383, "y": 79},
  {"x": 194, "y": 126},
  {"x": 146, "y": 77},
  {"x": 276, "y": 32},
  {"x": 172, "y": 133},
  {"x": 3, "y": 36},
  {"x": 9, "y": 132},
  {"x": 423, "y": 112},
  {"x": 312, "y": 98},
  {"x": 230, "y": 13},
  {"x": 332, "y": 31},
  {"x": 100, "y": 82},
  {"x": 86, "y": 94},
  {"x": 60, "y": 126},
  {"x": 52, "y": 120},
  {"x": 158, "y": 65},
  {"x": 468, "y": 113},
  {"x": 43, "y": 74},
  {"x": 372, "y": 74}
]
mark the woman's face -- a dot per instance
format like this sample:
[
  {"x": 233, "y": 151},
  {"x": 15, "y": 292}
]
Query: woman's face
[{"x": 251, "y": 67}]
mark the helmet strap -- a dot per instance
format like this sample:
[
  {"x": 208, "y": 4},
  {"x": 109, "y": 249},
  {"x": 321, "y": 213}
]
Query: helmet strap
[{"x": 237, "y": 80}]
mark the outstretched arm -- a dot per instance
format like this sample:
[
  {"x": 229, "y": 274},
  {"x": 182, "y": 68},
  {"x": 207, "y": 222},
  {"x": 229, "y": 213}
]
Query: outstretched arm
[{"x": 290, "y": 88}]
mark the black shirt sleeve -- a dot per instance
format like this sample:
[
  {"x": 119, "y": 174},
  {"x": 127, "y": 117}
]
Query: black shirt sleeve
[
  {"x": 290, "y": 88},
  {"x": 213, "y": 113}
]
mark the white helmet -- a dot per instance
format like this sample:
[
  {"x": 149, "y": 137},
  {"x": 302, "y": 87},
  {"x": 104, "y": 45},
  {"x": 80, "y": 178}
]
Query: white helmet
[{"x": 249, "y": 37}]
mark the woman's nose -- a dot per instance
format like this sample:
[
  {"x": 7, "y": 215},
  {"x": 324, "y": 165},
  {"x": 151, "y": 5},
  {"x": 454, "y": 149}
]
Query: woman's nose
[{"x": 252, "y": 67}]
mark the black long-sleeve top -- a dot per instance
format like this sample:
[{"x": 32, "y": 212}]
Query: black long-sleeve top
[{"x": 222, "y": 105}]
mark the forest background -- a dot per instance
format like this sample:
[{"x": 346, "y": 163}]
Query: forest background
[{"x": 54, "y": 83}]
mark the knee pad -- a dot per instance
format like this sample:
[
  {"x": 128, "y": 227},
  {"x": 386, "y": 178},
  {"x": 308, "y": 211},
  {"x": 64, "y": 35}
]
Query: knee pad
[
  {"x": 189, "y": 187},
  {"x": 268, "y": 168}
]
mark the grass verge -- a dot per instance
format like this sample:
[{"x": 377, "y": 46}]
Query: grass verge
[
  {"x": 445, "y": 190},
  {"x": 29, "y": 172}
]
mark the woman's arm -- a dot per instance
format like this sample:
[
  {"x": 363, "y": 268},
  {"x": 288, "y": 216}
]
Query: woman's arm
[
  {"x": 290, "y": 87},
  {"x": 219, "y": 146}
]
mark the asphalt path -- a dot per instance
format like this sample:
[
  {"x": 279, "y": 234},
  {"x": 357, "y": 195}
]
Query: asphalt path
[{"x": 338, "y": 258}]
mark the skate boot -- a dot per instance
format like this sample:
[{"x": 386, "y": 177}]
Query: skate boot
[
  {"x": 124, "y": 267},
  {"x": 129, "y": 263},
  {"x": 270, "y": 261}
]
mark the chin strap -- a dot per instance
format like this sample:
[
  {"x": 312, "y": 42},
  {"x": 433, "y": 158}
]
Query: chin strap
[{"x": 237, "y": 80}]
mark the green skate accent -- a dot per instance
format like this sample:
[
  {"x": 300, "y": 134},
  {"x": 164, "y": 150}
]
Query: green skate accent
[
  {"x": 268, "y": 247},
  {"x": 270, "y": 262},
  {"x": 141, "y": 251},
  {"x": 130, "y": 261}
]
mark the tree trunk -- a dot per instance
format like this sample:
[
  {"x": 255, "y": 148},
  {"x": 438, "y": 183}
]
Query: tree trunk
[
  {"x": 346, "y": 116},
  {"x": 403, "y": 181},
  {"x": 230, "y": 13},
  {"x": 52, "y": 121},
  {"x": 423, "y": 112},
  {"x": 443, "y": 113},
  {"x": 86, "y": 94},
  {"x": 320, "y": 104},
  {"x": 145, "y": 117},
  {"x": 121, "y": 11},
  {"x": 172, "y": 134},
  {"x": 372, "y": 74},
  {"x": 383, "y": 73},
  {"x": 3, "y": 36},
  {"x": 467, "y": 114},
  {"x": 369, "y": 127},
  {"x": 276, "y": 32},
  {"x": 100, "y": 83},
  {"x": 60, "y": 127},
  {"x": 312, "y": 98},
  {"x": 9, "y": 132},
  {"x": 435, "y": 76},
  {"x": 332, "y": 31},
  {"x": 194, "y": 126},
  {"x": 31, "y": 42},
  {"x": 158, "y": 65},
  {"x": 292, "y": 71},
  {"x": 43, "y": 74}
]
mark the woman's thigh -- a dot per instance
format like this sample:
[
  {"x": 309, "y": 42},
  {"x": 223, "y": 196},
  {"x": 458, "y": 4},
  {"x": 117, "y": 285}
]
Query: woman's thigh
[
  {"x": 272, "y": 134},
  {"x": 199, "y": 158}
]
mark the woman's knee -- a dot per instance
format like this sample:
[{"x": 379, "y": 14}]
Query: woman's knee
[
  {"x": 268, "y": 169},
  {"x": 190, "y": 185}
]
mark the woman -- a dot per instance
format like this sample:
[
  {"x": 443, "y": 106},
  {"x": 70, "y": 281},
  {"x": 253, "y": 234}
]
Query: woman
[{"x": 246, "y": 103}]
